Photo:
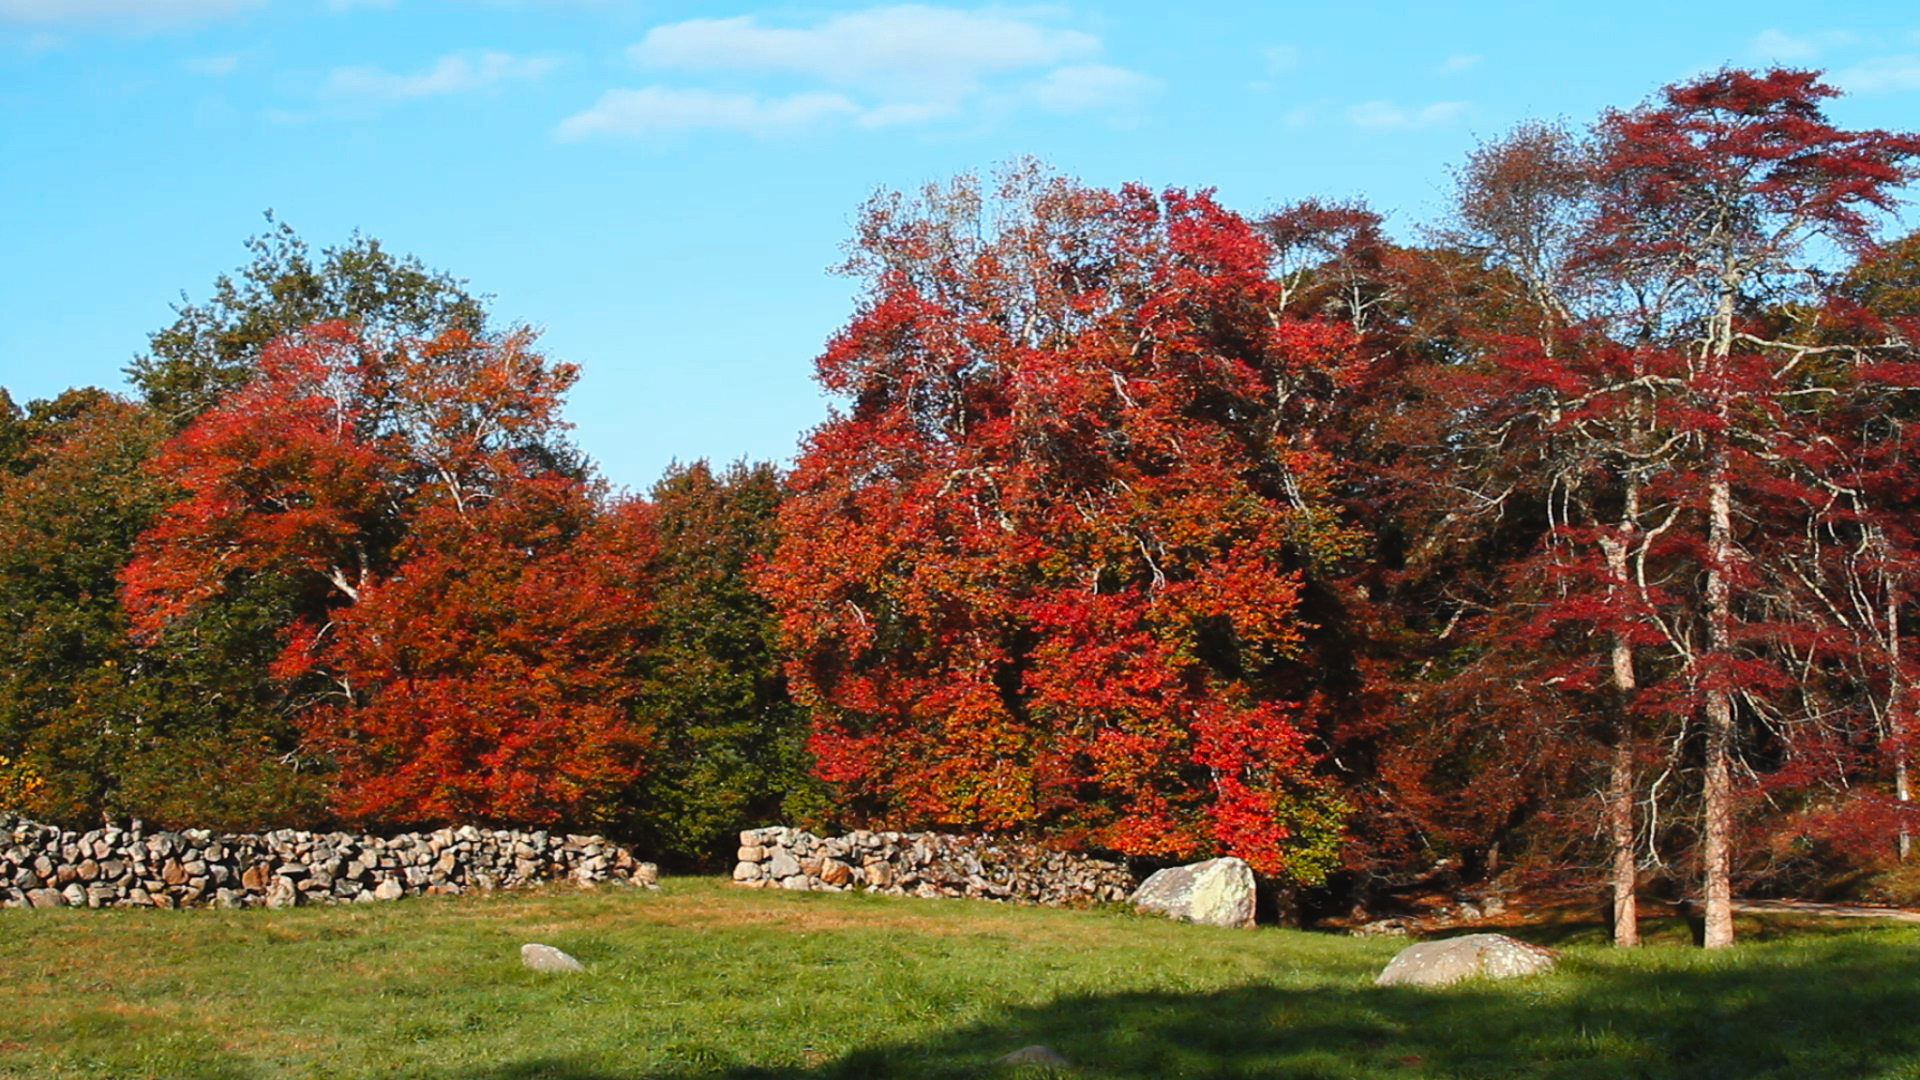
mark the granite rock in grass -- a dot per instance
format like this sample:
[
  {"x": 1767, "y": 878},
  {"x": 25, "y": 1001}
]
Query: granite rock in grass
[
  {"x": 1449, "y": 960},
  {"x": 1217, "y": 892},
  {"x": 546, "y": 958},
  {"x": 1034, "y": 1055}
]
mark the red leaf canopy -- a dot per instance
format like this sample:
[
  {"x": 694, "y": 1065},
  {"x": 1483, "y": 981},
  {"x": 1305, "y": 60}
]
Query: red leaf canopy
[
  {"x": 461, "y": 643},
  {"x": 1045, "y": 573}
]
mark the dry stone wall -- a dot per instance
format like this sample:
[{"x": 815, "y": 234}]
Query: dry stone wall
[
  {"x": 43, "y": 866},
  {"x": 927, "y": 864}
]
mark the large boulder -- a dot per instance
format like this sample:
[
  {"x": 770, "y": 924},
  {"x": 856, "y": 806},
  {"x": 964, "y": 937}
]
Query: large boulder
[
  {"x": 1449, "y": 960},
  {"x": 1218, "y": 892}
]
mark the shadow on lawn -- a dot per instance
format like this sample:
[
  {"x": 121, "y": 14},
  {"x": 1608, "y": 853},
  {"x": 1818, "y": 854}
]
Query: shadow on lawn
[{"x": 1836, "y": 1008}]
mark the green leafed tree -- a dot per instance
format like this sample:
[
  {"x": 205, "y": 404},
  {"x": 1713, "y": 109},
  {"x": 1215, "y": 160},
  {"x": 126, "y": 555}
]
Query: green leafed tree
[
  {"x": 72, "y": 497},
  {"x": 732, "y": 743},
  {"x": 214, "y": 347},
  {"x": 107, "y": 727}
]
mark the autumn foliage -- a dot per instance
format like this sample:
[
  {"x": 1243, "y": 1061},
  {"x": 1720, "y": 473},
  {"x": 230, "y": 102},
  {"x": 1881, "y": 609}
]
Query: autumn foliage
[
  {"x": 1575, "y": 542},
  {"x": 1044, "y": 575},
  {"x": 460, "y": 644}
]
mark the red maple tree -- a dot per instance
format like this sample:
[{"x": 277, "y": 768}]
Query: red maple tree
[
  {"x": 1045, "y": 574},
  {"x": 1676, "y": 429},
  {"x": 460, "y": 639}
]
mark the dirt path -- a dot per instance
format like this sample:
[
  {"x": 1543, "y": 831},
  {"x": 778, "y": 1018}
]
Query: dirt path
[{"x": 1833, "y": 911}]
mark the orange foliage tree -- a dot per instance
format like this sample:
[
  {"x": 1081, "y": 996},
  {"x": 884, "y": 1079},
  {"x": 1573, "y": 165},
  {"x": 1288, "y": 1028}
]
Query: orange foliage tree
[
  {"x": 1044, "y": 575},
  {"x": 459, "y": 637}
]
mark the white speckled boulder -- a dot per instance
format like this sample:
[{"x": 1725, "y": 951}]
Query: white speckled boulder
[
  {"x": 546, "y": 958},
  {"x": 1449, "y": 960},
  {"x": 1218, "y": 892}
]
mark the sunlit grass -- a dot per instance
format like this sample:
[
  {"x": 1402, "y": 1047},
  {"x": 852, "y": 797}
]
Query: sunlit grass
[{"x": 702, "y": 979}]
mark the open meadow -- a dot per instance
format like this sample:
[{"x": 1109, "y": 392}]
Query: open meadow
[{"x": 704, "y": 980}]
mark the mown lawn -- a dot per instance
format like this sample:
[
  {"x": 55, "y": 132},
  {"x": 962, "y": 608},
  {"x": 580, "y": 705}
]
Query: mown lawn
[{"x": 704, "y": 980}]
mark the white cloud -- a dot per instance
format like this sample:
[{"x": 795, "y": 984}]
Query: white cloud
[
  {"x": 897, "y": 66},
  {"x": 1882, "y": 74},
  {"x": 1460, "y": 62},
  {"x": 139, "y": 14},
  {"x": 659, "y": 110},
  {"x": 349, "y": 5},
  {"x": 906, "y": 113},
  {"x": 1281, "y": 58},
  {"x": 451, "y": 75},
  {"x": 1386, "y": 116},
  {"x": 911, "y": 51},
  {"x": 1084, "y": 87},
  {"x": 1774, "y": 44}
]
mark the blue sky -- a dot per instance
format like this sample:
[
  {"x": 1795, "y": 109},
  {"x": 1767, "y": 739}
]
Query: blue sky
[{"x": 661, "y": 187}]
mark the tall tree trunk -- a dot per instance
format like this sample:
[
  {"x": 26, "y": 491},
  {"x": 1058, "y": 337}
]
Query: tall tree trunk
[
  {"x": 1716, "y": 809},
  {"x": 1717, "y": 787},
  {"x": 1626, "y": 869},
  {"x": 1620, "y": 784},
  {"x": 1897, "y": 720}
]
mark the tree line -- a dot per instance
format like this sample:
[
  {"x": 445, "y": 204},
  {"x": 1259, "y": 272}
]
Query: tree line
[{"x": 1574, "y": 539}]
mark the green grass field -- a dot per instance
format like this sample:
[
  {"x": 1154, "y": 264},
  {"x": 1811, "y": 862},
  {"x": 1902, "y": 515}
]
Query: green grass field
[{"x": 704, "y": 980}]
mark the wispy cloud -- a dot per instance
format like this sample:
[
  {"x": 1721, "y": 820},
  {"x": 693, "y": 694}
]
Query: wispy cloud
[
  {"x": 216, "y": 67},
  {"x": 881, "y": 67},
  {"x": 1387, "y": 116},
  {"x": 1882, "y": 74},
  {"x": 130, "y": 14},
  {"x": 1086, "y": 87},
  {"x": 1889, "y": 73},
  {"x": 1775, "y": 44},
  {"x": 453, "y": 74},
  {"x": 910, "y": 50},
  {"x": 1281, "y": 58},
  {"x": 658, "y": 110},
  {"x": 1459, "y": 62}
]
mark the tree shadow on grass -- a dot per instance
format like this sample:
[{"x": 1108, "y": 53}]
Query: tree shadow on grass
[{"x": 1838, "y": 1007}]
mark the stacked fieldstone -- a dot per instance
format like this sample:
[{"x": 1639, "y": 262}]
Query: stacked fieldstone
[
  {"x": 43, "y": 866},
  {"x": 927, "y": 864}
]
